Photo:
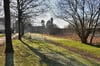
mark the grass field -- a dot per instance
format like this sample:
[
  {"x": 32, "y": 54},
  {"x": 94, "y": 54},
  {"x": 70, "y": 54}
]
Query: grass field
[
  {"x": 39, "y": 53},
  {"x": 32, "y": 52},
  {"x": 76, "y": 44},
  {"x": 73, "y": 44}
]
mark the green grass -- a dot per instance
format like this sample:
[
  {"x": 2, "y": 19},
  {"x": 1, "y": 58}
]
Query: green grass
[
  {"x": 73, "y": 44},
  {"x": 41, "y": 53},
  {"x": 77, "y": 44},
  {"x": 2, "y": 56},
  {"x": 33, "y": 53},
  {"x": 2, "y": 35},
  {"x": 24, "y": 56}
]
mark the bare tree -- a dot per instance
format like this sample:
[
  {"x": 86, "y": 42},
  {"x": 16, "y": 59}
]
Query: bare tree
[
  {"x": 83, "y": 15},
  {"x": 9, "y": 48},
  {"x": 27, "y": 9}
]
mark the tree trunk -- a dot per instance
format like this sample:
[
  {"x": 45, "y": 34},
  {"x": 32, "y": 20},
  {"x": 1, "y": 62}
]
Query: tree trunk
[
  {"x": 19, "y": 31},
  {"x": 9, "y": 59},
  {"x": 19, "y": 20},
  {"x": 9, "y": 47},
  {"x": 22, "y": 29},
  {"x": 84, "y": 39},
  {"x": 92, "y": 37}
]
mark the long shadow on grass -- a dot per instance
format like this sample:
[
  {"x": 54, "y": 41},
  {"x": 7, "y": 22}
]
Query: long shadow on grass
[
  {"x": 74, "y": 61},
  {"x": 71, "y": 60},
  {"x": 43, "y": 57},
  {"x": 53, "y": 62}
]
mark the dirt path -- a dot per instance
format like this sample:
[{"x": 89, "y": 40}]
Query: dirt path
[
  {"x": 2, "y": 47},
  {"x": 83, "y": 53},
  {"x": 2, "y": 39}
]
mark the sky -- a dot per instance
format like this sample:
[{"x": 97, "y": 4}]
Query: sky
[
  {"x": 45, "y": 16},
  {"x": 1, "y": 8},
  {"x": 61, "y": 23}
]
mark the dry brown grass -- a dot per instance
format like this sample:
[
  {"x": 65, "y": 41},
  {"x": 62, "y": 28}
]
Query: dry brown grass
[{"x": 96, "y": 39}]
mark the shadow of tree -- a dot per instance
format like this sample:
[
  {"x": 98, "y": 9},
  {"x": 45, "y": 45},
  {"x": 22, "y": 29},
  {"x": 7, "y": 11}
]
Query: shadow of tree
[
  {"x": 71, "y": 60},
  {"x": 43, "y": 57},
  {"x": 9, "y": 59},
  {"x": 52, "y": 62}
]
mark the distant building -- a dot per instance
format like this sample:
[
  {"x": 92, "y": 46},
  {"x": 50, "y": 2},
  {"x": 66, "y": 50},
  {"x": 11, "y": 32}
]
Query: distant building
[
  {"x": 34, "y": 29},
  {"x": 38, "y": 29},
  {"x": 2, "y": 27}
]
